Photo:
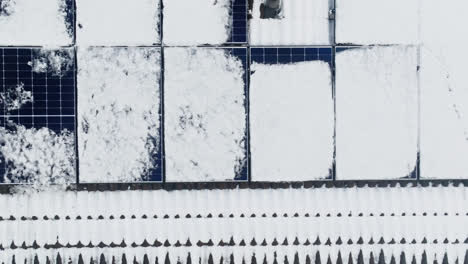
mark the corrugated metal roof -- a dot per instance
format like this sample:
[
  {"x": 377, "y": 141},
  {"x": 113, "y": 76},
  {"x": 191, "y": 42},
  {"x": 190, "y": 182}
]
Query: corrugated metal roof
[{"x": 292, "y": 224}]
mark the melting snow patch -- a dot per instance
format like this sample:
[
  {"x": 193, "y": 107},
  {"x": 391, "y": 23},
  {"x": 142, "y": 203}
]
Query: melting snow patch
[
  {"x": 56, "y": 62},
  {"x": 117, "y": 22},
  {"x": 301, "y": 22},
  {"x": 15, "y": 97},
  {"x": 376, "y": 117},
  {"x": 292, "y": 121},
  {"x": 377, "y": 21},
  {"x": 37, "y": 156},
  {"x": 196, "y": 22},
  {"x": 118, "y": 118},
  {"x": 26, "y": 22},
  {"x": 205, "y": 115}
]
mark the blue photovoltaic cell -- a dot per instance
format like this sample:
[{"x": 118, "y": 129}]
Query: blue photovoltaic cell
[
  {"x": 241, "y": 53},
  {"x": 290, "y": 55},
  {"x": 239, "y": 21}
]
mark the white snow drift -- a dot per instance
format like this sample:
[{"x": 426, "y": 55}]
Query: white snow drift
[
  {"x": 196, "y": 22},
  {"x": 117, "y": 22},
  {"x": 205, "y": 118},
  {"x": 291, "y": 121},
  {"x": 118, "y": 118},
  {"x": 32, "y": 22},
  {"x": 303, "y": 22},
  {"x": 376, "y": 119}
]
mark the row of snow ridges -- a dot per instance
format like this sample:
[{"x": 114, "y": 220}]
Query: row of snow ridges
[{"x": 287, "y": 255}]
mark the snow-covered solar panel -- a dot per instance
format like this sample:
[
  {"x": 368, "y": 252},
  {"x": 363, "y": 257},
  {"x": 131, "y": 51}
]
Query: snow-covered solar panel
[
  {"x": 291, "y": 114},
  {"x": 376, "y": 113},
  {"x": 297, "y": 22},
  {"x": 37, "y": 108},
  {"x": 204, "y": 22},
  {"x": 205, "y": 112},
  {"x": 30, "y": 23},
  {"x": 119, "y": 114},
  {"x": 367, "y": 22},
  {"x": 118, "y": 22}
]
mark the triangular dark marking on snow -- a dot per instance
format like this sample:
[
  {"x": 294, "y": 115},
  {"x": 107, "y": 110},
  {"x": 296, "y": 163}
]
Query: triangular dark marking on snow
[
  {"x": 371, "y": 258},
  {"x": 402, "y": 258},
  {"x": 166, "y": 259},
  {"x": 296, "y": 242},
  {"x": 253, "y": 260},
  {"x": 424, "y": 258},
  {"x": 381, "y": 257},
  {"x": 360, "y": 257},
  {"x": 102, "y": 259},
  {"x": 339, "y": 260},
  {"x": 317, "y": 258}
]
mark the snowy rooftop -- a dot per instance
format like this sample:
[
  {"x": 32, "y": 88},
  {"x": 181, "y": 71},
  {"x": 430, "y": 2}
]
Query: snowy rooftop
[{"x": 238, "y": 131}]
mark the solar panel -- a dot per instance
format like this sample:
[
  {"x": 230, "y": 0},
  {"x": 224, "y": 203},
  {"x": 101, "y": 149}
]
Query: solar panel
[
  {"x": 210, "y": 115},
  {"x": 38, "y": 91}
]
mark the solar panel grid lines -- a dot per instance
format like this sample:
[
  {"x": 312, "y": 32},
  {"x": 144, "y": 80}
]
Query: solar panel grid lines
[
  {"x": 238, "y": 22},
  {"x": 286, "y": 55},
  {"x": 52, "y": 94}
]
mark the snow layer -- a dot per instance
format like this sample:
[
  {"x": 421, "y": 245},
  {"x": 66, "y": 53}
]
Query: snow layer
[
  {"x": 55, "y": 61},
  {"x": 377, "y": 21},
  {"x": 15, "y": 97},
  {"x": 444, "y": 90},
  {"x": 32, "y": 22},
  {"x": 205, "y": 118},
  {"x": 37, "y": 156},
  {"x": 303, "y": 22},
  {"x": 118, "y": 113},
  {"x": 376, "y": 117},
  {"x": 291, "y": 121},
  {"x": 196, "y": 22},
  {"x": 117, "y": 22}
]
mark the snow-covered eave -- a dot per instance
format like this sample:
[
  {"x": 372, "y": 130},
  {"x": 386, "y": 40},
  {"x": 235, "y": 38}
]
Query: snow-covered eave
[
  {"x": 342, "y": 225},
  {"x": 216, "y": 185}
]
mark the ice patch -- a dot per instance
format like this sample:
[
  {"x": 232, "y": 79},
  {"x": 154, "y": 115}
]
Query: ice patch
[
  {"x": 26, "y": 22},
  {"x": 117, "y": 22},
  {"x": 376, "y": 113},
  {"x": 196, "y": 22},
  {"x": 118, "y": 118},
  {"x": 205, "y": 117},
  {"x": 302, "y": 22},
  {"x": 291, "y": 121},
  {"x": 15, "y": 97},
  {"x": 39, "y": 157},
  {"x": 56, "y": 62}
]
